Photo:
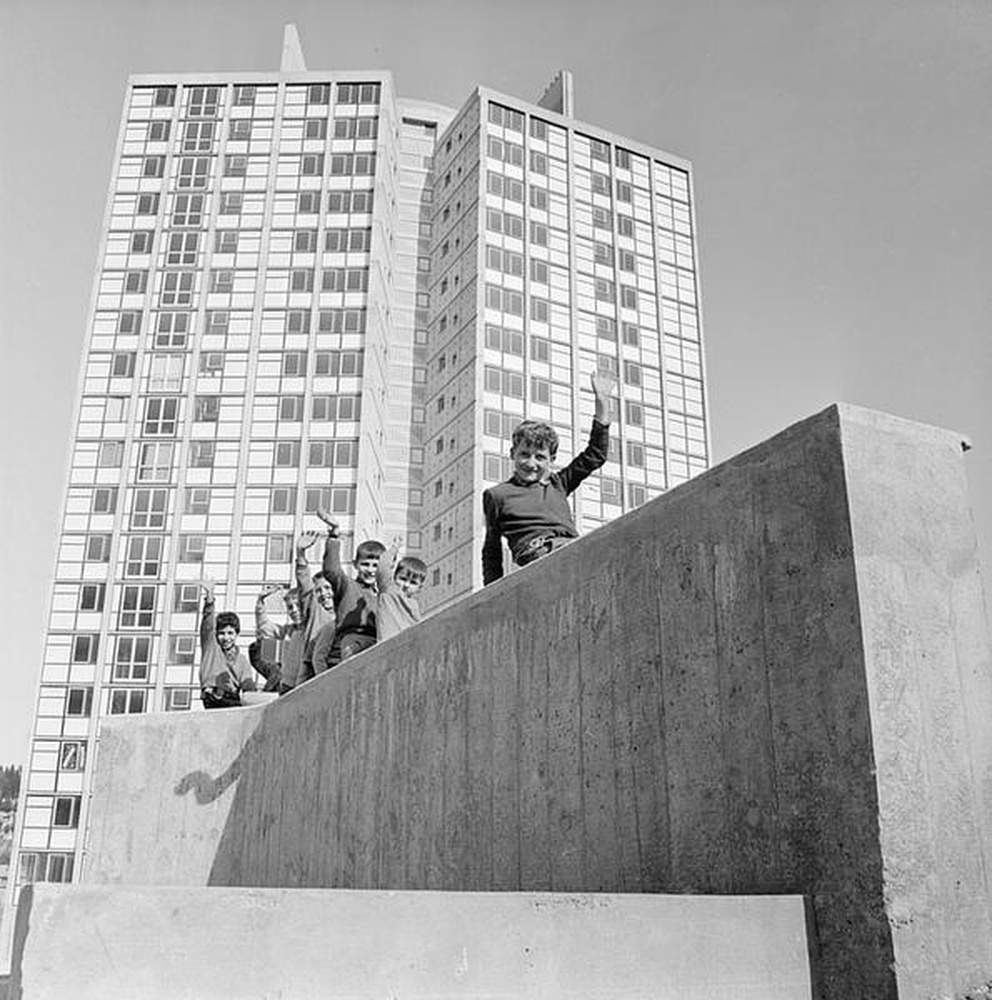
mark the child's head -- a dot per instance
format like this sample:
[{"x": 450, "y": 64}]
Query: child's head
[
  {"x": 535, "y": 444},
  {"x": 410, "y": 574},
  {"x": 227, "y": 628},
  {"x": 292, "y": 601},
  {"x": 323, "y": 592},
  {"x": 367, "y": 561}
]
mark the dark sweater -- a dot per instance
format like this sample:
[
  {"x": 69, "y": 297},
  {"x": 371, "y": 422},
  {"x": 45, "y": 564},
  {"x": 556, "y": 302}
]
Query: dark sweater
[{"x": 521, "y": 513}]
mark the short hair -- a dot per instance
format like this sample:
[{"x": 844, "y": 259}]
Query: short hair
[
  {"x": 413, "y": 565},
  {"x": 370, "y": 549},
  {"x": 537, "y": 434},
  {"x": 228, "y": 618},
  {"x": 319, "y": 575},
  {"x": 293, "y": 594}
]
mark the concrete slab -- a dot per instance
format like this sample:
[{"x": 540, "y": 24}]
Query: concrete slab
[
  {"x": 102, "y": 943},
  {"x": 775, "y": 678}
]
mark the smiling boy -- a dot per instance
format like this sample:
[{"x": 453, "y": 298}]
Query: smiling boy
[
  {"x": 224, "y": 670},
  {"x": 530, "y": 510}
]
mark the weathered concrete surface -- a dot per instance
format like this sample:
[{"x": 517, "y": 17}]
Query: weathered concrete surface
[
  {"x": 99, "y": 942},
  {"x": 774, "y": 679}
]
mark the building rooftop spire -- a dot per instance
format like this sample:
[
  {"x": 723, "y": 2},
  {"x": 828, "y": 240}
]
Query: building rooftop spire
[
  {"x": 559, "y": 94},
  {"x": 292, "y": 51}
]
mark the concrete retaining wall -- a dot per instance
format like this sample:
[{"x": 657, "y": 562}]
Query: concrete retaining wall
[
  {"x": 95, "y": 942},
  {"x": 774, "y": 679}
]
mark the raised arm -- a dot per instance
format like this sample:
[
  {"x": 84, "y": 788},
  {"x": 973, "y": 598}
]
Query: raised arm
[
  {"x": 301, "y": 565},
  {"x": 387, "y": 566},
  {"x": 332, "y": 552},
  {"x": 207, "y": 616},
  {"x": 597, "y": 450},
  {"x": 265, "y": 628},
  {"x": 604, "y": 385},
  {"x": 492, "y": 546}
]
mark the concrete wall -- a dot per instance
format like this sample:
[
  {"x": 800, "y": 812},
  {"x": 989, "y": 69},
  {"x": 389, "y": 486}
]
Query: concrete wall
[
  {"x": 774, "y": 679},
  {"x": 256, "y": 944}
]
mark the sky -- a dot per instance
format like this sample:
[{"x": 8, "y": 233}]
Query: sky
[{"x": 842, "y": 158}]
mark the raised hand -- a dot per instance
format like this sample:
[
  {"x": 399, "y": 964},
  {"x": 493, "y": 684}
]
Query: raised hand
[
  {"x": 604, "y": 385},
  {"x": 333, "y": 528},
  {"x": 307, "y": 540}
]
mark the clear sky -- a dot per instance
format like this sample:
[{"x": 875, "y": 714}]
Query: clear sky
[{"x": 842, "y": 155}]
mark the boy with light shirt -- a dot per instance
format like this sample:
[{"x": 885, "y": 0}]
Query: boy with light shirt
[
  {"x": 224, "y": 670},
  {"x": 530, "y": 510},
  {"x": 355, "y": 599},
  {"x": 399, "y": 581},
  {"x": 317, "y": 603}
]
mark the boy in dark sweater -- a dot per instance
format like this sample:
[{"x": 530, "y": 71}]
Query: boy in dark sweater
[
  {"x": 355, "y": 599},
  {"x": 530, "y": 510}
]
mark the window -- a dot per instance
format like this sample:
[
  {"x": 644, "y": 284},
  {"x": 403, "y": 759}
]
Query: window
[
  {"x": 305, "y": 240},
  {"x": 628, "y": 297},
  {"x": 538, "y": 162},
  {"x": 244, "y": 95},
  {"x": 637, "y": 494},
  {"x": 540, "y": 390},
  {"x": 129, "y": 323},
  {"x": 635, "y": 413},
  {"x": 178, "y": 699},
  {"x": 540, "y": 349},
  {"x": 319, "y": 93},
  {"x": 196, "y": 500},
  {"x": 221, "y": 280},
  {"x": 192, "y": 548},
  {"x": 182, "y": 248},
  {"x": 147, "y": 204},
  {"x": 602, "y": 218},
  {"x": 155, "y": 461},
  {"x": 301, "y": 280},
  {"x": 137, "y": 608},
  {"x": 144, "y": 555},
  {"x": 336, "y": 407},
  {"x": 607, "y": 363},
  {"x": 185, "y": 599},
  {"x": 72, "y": 755},
  {"x": 631, "y": 373},
  {"x": 358, "y": 93},
  {"x": 294, "y": 363},
  {"x": 187, "y": 210},
  {"x": 212, "y": 363},
  {"x": 308, "y": 202},
  {"x": 203, "y": 102},
  {"x": 600, "y": 183},
  {"x": 226, "y": 241},
  {"x": 172, "y": 329},
  {"x": 240, "y": 129},
  {"x": 315, "y": 128},
  {"x": 349, "y": 201},
  {"x": 148, "y": 508},
  {"x": 141, "y": 242},
  {"x": 152, "y": 166},
  {"x": 66, "y": 811},
  {"x": 624, "y": 192},
  {"x": 539, "y": 234},
  {"x": 235, "y": 165},
  {"x": 606, "y": 328},
  {"x": 198, "y": 137},
  {"x": 290, "y": 408},
  {"x": 104, "y": 500},
  {"x": 298, "y": 321},
  {"x": 201, "y": 454},
  {"x": 182, "y": 648},
  {"x": 539, "y": 309},
  {"x": 279, "y": 548},
  {"x": 609, "y": 490},
  {"x": 336, "y": 499},
  {"x": 231, "y": 202},
  {"x": 164, "y": 97},
  {"x": 193, "y": 172},
  {"x": 625, "y": 225},
  {"x": 338, "y": 363},
  {"x": 91, "y": 596},
  {"x": 132, "y": 658},
  {"x": 539, "y": 271},
  {"x": 122, "y": 364},
  {"x": 631, "y": 335},
  {"x": 288, "y": 454},
  {"x": 127, "y": 702},
  {"x": 135, "y": 282},
  {"x": 79, "y": 700},
  {"x": 97, "y": 548},
  {"x": 328, "y": 454},
  {"x": 282, "y": 500},
  {"x": 622, "y": 158},
  {"x": 84, "y": 648},
  {"x": 504, "y": 382},
  {"x": 312, "y": 164},
  {"x": 218, "y": 321},
  {"x": 177, "y": 288},
  {"x": 635, "y": 454},
  {"x": 110, "y": 454},
  {"x": 605, "y": 290},
  {"x": 628, "y": 262}
]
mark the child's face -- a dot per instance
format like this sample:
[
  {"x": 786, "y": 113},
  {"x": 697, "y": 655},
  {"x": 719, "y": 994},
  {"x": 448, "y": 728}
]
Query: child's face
[
  {"x": 227, "y": 638},
  {"x": 531, "y": 464},
  {"x": 293, "y": 609},
  {"x": 408, "y": 581},
  {"x": 324, "y": 593},
  {"x": 365, "y": 569}
]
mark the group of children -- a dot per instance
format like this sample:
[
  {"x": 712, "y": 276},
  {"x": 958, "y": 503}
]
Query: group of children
[{"x": 332, "y": 616}]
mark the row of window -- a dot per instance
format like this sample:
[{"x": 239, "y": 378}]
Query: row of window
[{"x": 205, "y": 101}]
